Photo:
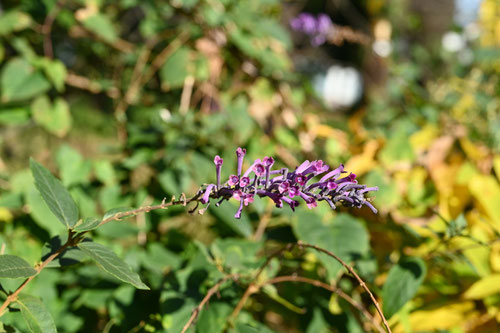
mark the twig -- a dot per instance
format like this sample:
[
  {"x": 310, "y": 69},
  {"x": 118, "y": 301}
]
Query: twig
[
  {"x": 147, "y": 209},
  {"x": 351, "y": 270},
  {"x": 253, "y": 287},
  {"x": 12, "y": 297},
  {"x": 160, "y": 59},
  {"x": 339, "y": 292},
  {"x": 210, "y": 293},
  {"x": 47, "y": 29},
  {"x": 187, "y": 90},
  {"x": 264, "y": 221}
]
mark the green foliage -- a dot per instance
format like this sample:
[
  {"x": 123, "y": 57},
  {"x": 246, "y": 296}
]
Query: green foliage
[
  {"x": 402, "y": 284},
  {"x": 55, "y": 195},
  {"x": 111, "y": 263},
  {"x": 36, "y": 314},
  {"x": 13, "y": 267},
  {"x": 130, "y": 100}
]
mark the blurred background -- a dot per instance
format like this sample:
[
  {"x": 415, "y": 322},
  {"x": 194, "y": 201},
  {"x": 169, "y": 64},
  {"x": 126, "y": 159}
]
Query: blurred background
[{"x": 128, "y": 102}]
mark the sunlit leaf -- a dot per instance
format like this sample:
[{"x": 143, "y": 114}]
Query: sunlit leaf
[{"x": 13, "y": 267}]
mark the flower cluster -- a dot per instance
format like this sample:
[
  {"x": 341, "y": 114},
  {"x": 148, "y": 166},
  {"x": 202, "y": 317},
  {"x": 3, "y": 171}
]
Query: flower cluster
[
  {"x": 284, "y": 187},
  {"x": 317, "y": 28}
]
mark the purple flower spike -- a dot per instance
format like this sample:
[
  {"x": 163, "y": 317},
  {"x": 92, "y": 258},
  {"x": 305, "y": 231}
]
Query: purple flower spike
[
  {"x": 240, "y": 154},
  {"x": 233, "y": 180},
  {"x": 258, "y": 169},
  {"x": 218, "y": 165},
  {"x": 290, "y": 187}
]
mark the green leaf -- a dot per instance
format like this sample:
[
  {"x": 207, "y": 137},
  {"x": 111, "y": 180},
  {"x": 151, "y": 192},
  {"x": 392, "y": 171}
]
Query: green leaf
[
  {"x": 343, "y": 235},
  {"x": 73, "y": 168},
  {"x": 112, "y": 264},
  {"x": 457, "y": 226},
  {"x": 56, "y": 72},
  {"x": 14, "y": 116},
  {"x": 12, "y": 21},
  {"x": 36, "y": 314},
  {"x": 213, "y": 318},
  {"x": 402, "y": 284},
  {"x": 20, "y": 81},
  {"x": 175, "y": 69},
  {"x": 55, "y": 195},
  {"x": 13, "y": 267},
  {"x": 90, "y": 223},
  {"x": 55, "y": 118},
  {"x": 102, "y": 26}
]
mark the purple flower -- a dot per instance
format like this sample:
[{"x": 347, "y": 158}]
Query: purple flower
[
  {"x": 323, "y": 24},
  {"x": 317, "y": 28},
  {"x": 233, "y": 180},
  {"x": 218, "y": 165},
  {"x": 244, "y": 181},
  {"x": 259, "y": 169},
  {"x": 240, "y": 154},
  {"x": 283, "y": 186}
]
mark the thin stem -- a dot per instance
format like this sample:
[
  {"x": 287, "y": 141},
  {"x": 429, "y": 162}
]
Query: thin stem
[
  {"x": 339, "y": 292},
  {"x": 351, "y": 270},
  {"x": 210, "y": 293},
  {"x": 47, "y": 29},
  {"x": 146, "y": 209},
  {"x": 252, "y": 288},
  {"x": 12, "y": 297}
]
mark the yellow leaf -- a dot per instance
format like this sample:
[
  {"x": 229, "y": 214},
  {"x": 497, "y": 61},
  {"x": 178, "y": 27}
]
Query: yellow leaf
[
  {"x": 422, "y": 139},
  {"x": 495, "y": 257},
  {"x": 5, "y": 215},
  {"x": 487, "y": 286},
  {"x": 496, "y": 166},
  {"x": 486, "y": 191},
  {"x": 364, "y": 162},
  {"x": 474, "y": 151},
  {"x": 443, "y": 318}
]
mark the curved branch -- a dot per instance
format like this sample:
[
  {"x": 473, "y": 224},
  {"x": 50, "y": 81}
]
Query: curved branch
[
  {"x": 210, "y": 293},
  {"x": 339, "y": 292}
]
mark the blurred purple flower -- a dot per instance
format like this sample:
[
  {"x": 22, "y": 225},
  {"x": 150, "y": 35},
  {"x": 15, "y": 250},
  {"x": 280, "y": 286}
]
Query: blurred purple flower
[
  {"x": 283, "y": 186},
  {"x": 317, "y": 27}
]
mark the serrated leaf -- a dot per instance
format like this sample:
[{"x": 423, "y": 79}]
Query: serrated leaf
[
  {"x": 55, "y": 195},
  {"x": 20, "y": 81},
  {"x": 35, "y": 313},
  {"x": 90, "y": 223},
  {"x": 13, "y": 267},
  {"x": 112, "y": 264},
  {"x": 402, "y": 284}
]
